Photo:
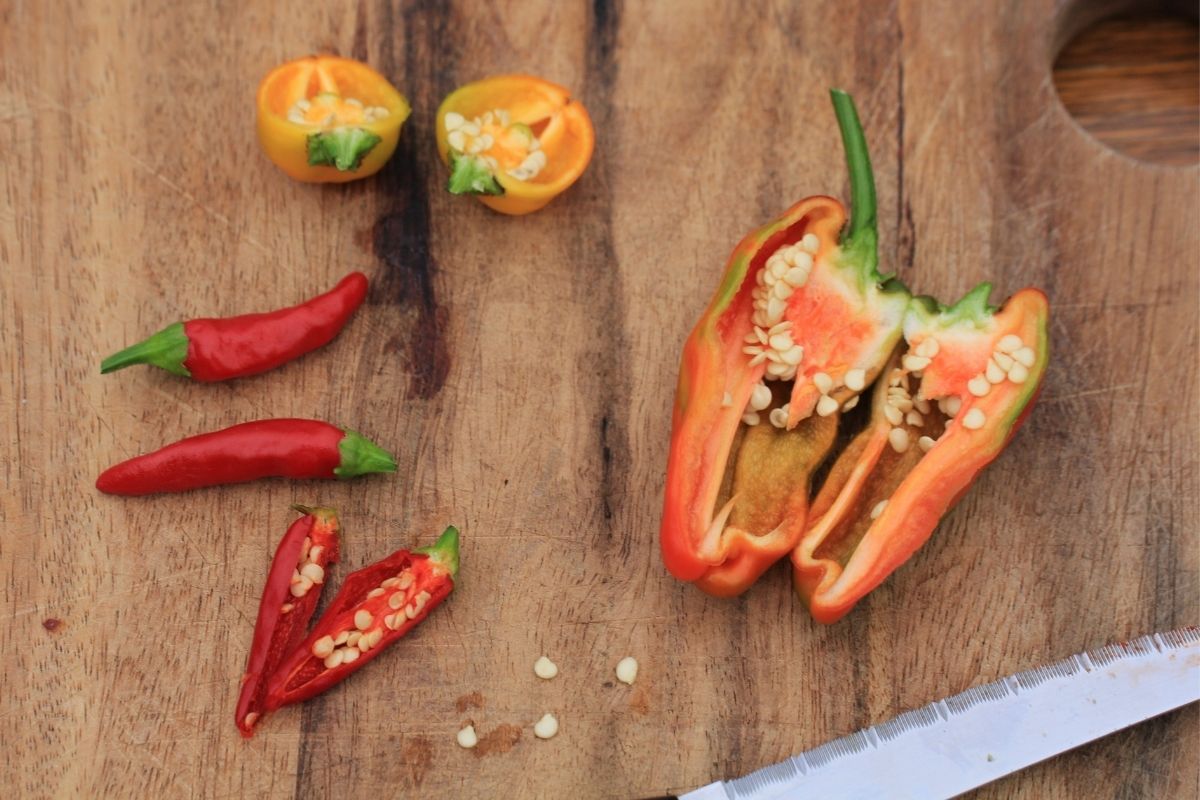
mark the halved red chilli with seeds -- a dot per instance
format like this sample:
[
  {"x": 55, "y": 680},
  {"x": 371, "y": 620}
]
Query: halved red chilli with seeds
[
  {"x": 289, "y": 599},
  {"x": 361, "y": 622}
]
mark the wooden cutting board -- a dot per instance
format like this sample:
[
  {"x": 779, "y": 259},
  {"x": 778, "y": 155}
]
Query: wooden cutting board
[{"x": 523, "y": 369}]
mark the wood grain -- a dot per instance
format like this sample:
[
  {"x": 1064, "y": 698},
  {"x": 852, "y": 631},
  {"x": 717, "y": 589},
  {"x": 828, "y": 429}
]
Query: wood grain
[
  {"x": 1134, "y": 83},
  {"x": 522, "y": 370}
]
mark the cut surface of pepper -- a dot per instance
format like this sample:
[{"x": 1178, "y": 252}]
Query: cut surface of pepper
[
  {"x": 297, "y": 575},
  {"x": 956, "y": 390},
  {"x": 325, "y": 119},
  {"x": 376, "y": 606},
  {"x": 514, "y": 141},
  {"x": 287, "y": 448},
  {"x": 249, "y": 344},
  {"x": 802, "y": 322}
]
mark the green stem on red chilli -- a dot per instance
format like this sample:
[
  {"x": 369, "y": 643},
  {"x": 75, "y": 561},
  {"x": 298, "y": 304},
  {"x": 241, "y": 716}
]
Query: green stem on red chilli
[
  {"x": 444, "y": 551},
  {"x": 167, "y": 349},
  {"x": 234, "y": 347},
  {"x": 287, "y": 448}
]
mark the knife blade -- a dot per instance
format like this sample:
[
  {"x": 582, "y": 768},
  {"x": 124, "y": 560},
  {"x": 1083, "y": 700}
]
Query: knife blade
[{"x": 953, "y": 745}]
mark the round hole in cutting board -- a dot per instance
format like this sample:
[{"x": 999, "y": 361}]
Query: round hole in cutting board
[{"x": 1133, "y": 82}]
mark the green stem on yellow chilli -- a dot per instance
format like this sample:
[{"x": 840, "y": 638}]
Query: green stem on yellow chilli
[
  {"x": 472, "y": 175},
  {"x": 343, "y": 148}
]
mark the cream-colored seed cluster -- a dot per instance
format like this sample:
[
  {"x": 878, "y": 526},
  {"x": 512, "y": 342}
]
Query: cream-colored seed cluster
[
  {"x": 1011, "y": 361},
  {"x": 901, "y": 408},
  {"x": 369, "y": 628},
  {"x": 904, "y": 408},
  {"x": 468, "y": 136},
  {"x": 771, "y": 341},
  {"x": 308, "y": 572},
  {"x": 297, "y": 114}
]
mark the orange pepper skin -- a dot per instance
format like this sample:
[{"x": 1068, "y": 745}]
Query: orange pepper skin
[
  {"x": 727, "y": 518},
  {"x": 562, "y": 125},
  {"x": 287, "y": 143},
  {"x": 703, "y": 427},
  {"x": 831, "y": 585}
]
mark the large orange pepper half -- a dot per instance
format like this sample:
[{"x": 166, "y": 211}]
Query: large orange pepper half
[
  {"x": 514, "y": 141},
  {"x": 801, "y": 324},
  {"x": 324, "y": 119},
  {"x": 801, "y": 328},
  {"x": 956, "y": 390}
]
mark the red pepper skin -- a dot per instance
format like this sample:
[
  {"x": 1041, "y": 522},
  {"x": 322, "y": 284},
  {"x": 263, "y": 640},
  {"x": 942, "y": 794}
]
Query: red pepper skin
[
  {"x": 303, "y": 675},
  {"x": 289, "y": 448},
  {"x": 278, "y": 631},
  {"x": 235, "y": 347}
]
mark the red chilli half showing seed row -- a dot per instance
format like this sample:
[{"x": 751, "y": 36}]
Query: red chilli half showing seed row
[{"x": 377, "y": 606}]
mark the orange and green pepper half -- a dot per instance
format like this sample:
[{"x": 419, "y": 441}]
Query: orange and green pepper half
[
  {"x": 801, "y": 328},
  {"x": 325, "y": 119},
  {"x": 514, "y": 141}
]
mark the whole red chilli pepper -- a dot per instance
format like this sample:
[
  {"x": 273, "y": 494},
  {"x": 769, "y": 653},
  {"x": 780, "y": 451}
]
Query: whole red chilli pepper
[
  {"x": 298, "y": 573},
  {"x": 234, "y": 347},
  {"x": 288, "y": 448}
]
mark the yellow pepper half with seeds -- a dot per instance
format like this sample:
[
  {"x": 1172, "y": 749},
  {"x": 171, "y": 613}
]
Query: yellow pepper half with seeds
[
  {"x": 514, "y": 141},
  {"x": 325, "y": 119}
]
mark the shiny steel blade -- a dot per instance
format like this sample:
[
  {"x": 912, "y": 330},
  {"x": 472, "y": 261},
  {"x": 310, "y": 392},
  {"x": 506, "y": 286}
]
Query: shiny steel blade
[{"x": 984, "y": 733}]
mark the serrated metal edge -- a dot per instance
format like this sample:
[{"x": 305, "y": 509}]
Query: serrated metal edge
[
  {"x": 749, "y": 785},
  {"x": 1180, "y": 637},
  {"x": 1135, "y": 648},
  {"x": 923, "y": 717},
  {"x": 941, "y": 710},
  {"x": 1039, "y": 675},
  {"x": 987, "y": 693}
]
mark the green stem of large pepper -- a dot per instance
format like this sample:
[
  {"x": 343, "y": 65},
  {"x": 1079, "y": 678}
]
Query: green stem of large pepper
[{"x": 860, "y": 237}]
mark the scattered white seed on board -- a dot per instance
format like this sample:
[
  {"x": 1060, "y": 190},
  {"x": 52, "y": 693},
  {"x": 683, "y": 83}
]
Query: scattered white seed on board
[
  {"x": 545, "y": 727},
  {"x": 467, "y": 737},
  {"x": 627, "y": 669},
  {"x": 544, "y": 668}
]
